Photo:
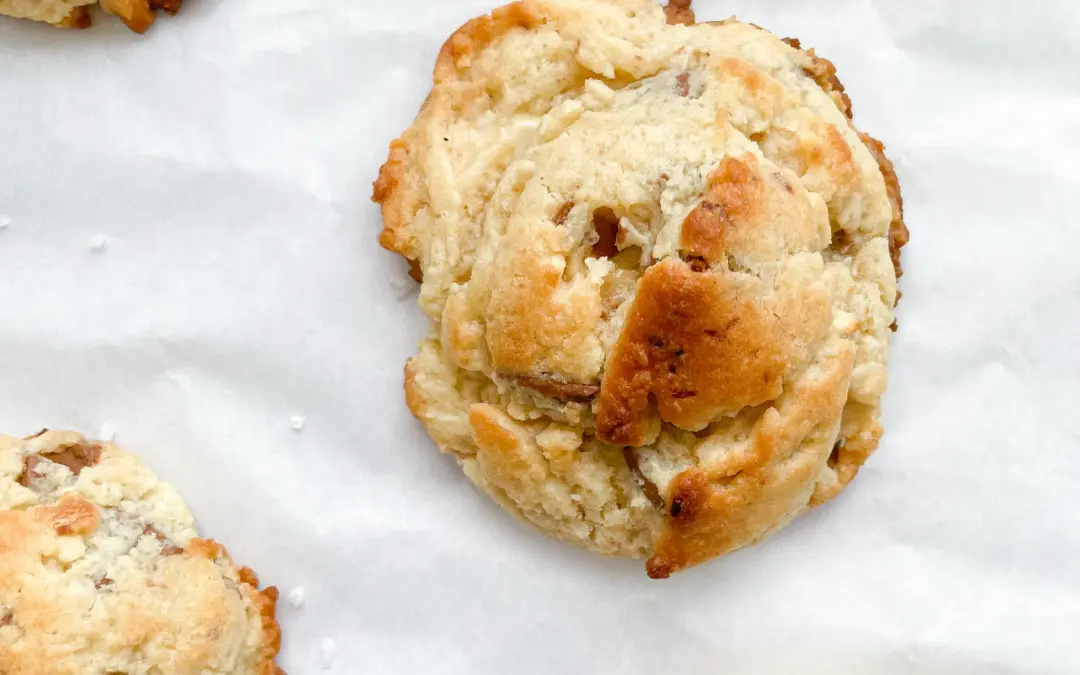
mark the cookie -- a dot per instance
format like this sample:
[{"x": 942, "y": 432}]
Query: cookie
[
  {"x": 102, "y": 572},
  {"x": 137, "y": 14},
  {"x": 660, "y": 265}
]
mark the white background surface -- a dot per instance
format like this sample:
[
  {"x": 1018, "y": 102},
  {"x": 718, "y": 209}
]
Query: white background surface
[{"x": 228, "y": 154}]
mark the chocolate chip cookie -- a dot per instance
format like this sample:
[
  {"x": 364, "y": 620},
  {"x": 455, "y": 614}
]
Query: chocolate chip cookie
[
  {"x": 102, "y": 572},
  {"x": 661, "y": 267}
]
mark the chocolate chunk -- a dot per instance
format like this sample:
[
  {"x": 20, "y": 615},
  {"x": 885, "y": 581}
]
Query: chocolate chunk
[
  {"x": 79, "y": 18},
  {"x": 649, "y": 487},
  {"x": 606, "y": 224},
  {"x": 29, "y": 473},
  {"x": 842, "y": 241},
  {"x": 697, "y": 263},
  {"x": 167, "y": 546},
  {"x": 416, "y": 272},
  {"x": 549, "y": 385},
  {"x": 170, "y": 6},
  {"x": 679, "y": 12},
  {"x": 76, "y": 457},
  {"x": 560, "y": 216},
  {"x": 682, "y": 84}
]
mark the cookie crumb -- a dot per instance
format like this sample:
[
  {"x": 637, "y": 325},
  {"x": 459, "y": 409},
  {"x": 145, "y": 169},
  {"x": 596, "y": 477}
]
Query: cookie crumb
[
  {"x": 97, "y": 243},
  {"x": 327, "y": 652},
  {"x": 298, "y": 422},
  {"x": 296, "y": 597},
  {"x": 107, "y": 432}
]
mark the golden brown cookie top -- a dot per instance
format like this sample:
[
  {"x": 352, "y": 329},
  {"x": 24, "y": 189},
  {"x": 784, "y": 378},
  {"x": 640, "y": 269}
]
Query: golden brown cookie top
[
  {"x": 646, "y": 232},
  {"x": 102, "y": 571}
]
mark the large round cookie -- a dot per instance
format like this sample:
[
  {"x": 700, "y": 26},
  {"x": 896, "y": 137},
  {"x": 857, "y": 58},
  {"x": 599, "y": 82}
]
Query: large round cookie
[
  {"x": 660, "y": 265},
  {"x": 102, "y": 572}
]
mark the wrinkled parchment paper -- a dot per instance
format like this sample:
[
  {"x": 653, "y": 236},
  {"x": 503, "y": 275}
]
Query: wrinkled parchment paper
[{"x": 189, "y": 258}]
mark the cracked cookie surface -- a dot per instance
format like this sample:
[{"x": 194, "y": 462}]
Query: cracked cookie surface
[
  {"x": 102, "y": 572},
  {"x": 660, "y": 265}
]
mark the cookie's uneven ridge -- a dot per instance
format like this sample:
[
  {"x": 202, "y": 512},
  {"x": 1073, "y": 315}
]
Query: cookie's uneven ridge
[
  {"x": 137, "y": 14},
  {"x": 660, "y": 264},
  {"x": 102, "y": 571}
]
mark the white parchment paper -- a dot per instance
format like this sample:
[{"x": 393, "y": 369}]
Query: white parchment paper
[{"x": 190, "y": 258}]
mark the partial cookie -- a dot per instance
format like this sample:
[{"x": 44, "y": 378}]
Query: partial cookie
[
  {"x": 137, "y": 14},
  {"x": 660, "y": 264},
  {"x": 102, "y": 572}
]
